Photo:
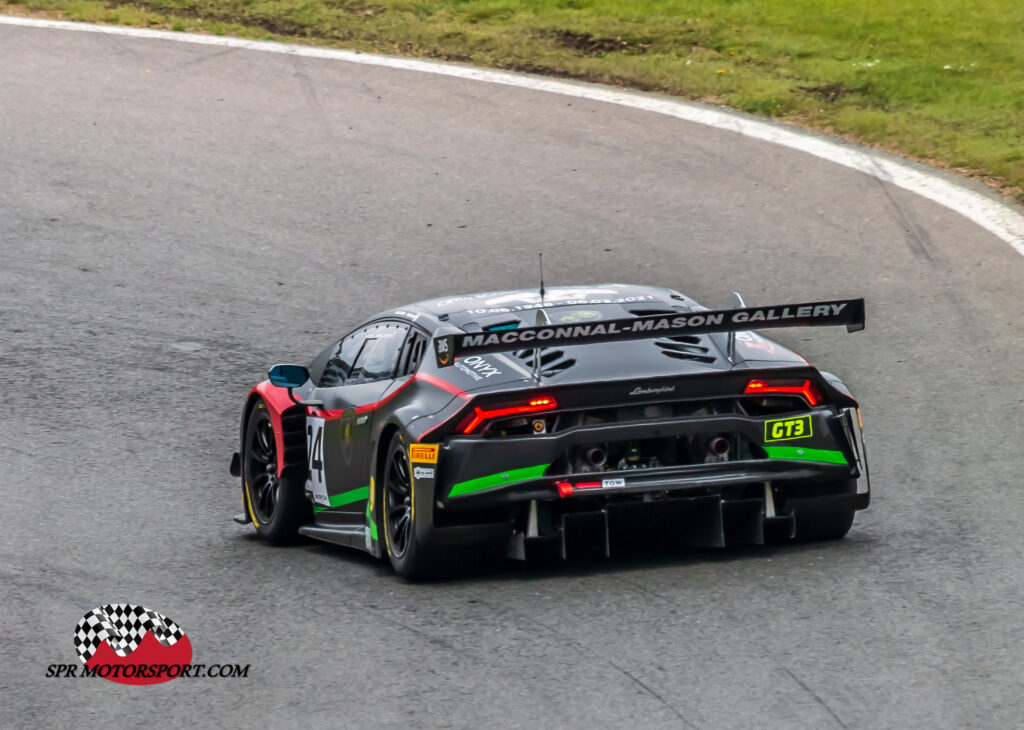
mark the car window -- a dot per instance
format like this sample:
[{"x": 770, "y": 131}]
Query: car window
[
  {"x": 340, "y": 362},
  {"x": 378, "y": 356},
  {"x": 412, "y": 353}
]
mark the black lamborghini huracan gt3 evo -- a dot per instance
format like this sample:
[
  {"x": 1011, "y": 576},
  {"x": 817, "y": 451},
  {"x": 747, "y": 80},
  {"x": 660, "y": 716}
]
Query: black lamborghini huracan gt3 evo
[{"x": 555, "y": 423}]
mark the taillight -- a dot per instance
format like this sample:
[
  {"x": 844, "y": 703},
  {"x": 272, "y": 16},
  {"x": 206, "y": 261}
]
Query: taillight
[
  {"x": 534, "y": 405},
  {"x": 806, "y": 389}
]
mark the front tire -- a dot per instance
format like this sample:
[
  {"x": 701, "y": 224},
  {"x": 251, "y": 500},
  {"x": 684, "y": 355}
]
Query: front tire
[
  {"x": 409, "y": 557},
  {"x": 277, "y": 504}
]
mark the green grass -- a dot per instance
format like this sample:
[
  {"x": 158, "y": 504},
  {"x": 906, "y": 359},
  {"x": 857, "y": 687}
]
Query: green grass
[{"x": 938, "y": 80}]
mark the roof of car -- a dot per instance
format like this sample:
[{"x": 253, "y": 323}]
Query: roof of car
[{"x": 524, "y": 300}]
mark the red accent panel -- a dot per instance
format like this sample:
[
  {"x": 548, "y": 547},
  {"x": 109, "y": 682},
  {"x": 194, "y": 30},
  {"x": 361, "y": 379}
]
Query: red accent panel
[
  {"x": 326, "y": 415},
  {"x": 442, "y": 384},
  {"x": 366, "y": 408},
  {"x": 588, "y": 485},
  {"x": 374, "y": 406},
  {"x": 278, "y": 402},
  {"x": 426, "y": 378},
  {"x": 431, "y": 430}
]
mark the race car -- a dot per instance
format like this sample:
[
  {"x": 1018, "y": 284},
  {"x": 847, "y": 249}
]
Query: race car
[{"x": 557, "y": 423}]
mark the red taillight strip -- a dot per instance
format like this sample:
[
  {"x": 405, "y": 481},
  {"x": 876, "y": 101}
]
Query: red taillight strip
[
  {"x": 541, "y": 403},
  {"x": 807, "y": 390}
]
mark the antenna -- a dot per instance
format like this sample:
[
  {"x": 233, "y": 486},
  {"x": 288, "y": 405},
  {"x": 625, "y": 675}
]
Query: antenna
[
  {"x": 735, "y": 302},
  {"x": 542, "y": 319},
  {"x": 541, "y": 275}
]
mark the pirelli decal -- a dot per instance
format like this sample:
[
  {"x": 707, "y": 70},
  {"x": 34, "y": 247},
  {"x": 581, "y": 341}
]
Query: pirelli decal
[
  {"x": 423, "y": 453},
  {"x": 787, "y": 429},
  {"x": 849, "y": 312}
]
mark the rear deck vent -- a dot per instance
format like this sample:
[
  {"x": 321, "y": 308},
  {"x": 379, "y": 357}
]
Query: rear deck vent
[
  {"x": 685, "y": 347},
  {"x": 552, "y": 362}
]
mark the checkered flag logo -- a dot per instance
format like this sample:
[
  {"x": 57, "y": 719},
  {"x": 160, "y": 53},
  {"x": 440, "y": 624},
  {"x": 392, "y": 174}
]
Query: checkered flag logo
[{"x": 122, "y": 626}]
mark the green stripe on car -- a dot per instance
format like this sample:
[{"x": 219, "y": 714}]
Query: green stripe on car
[
  {"x": 371, "y": 523},
  {"x": 340, "y": 500},
  {"x": 498, "y": 480},
  {"x": 804, "y": 454}
]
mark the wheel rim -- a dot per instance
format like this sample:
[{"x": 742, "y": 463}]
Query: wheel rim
[
  {"x": 262, "y": 470},
  {"x": 398, "y": 503}
]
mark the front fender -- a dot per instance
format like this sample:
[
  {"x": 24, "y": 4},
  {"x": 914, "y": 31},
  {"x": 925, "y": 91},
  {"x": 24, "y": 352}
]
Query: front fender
[{"x": 278, "y": 402}]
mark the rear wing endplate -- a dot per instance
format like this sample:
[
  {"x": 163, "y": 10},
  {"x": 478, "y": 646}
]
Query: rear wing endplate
[{"x": 849, "y": 312}]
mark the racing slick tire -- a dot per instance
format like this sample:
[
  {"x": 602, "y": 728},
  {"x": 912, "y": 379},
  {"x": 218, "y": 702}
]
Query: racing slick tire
[
  {"x": 825, "y": 518},
  {"x": 277, "y": 503},
  {"x": 409, "y": 557}
]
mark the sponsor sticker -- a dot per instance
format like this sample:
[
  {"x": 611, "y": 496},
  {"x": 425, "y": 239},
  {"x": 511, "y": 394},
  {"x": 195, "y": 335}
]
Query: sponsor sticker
[
  {"x": 792, "y": 315},
  {"x": 787, "y": 429},
  {"x": 423, "y": 472},
  {"x": 613, "y": 483},
  {"x": 477, "y": 367},
  {"x": 443, "y": 349},
  {"x": 423, "y": 453},
  {"x": 131, "y": 644}
]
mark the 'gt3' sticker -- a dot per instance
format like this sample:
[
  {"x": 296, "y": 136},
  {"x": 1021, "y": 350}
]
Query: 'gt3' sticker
[{"x": 787, "y": 429}]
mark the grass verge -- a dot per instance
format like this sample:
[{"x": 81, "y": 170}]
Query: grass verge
[{"x": 941, "y": 81}]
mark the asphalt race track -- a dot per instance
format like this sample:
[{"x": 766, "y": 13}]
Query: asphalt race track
[{"x": 155, "y": 193}]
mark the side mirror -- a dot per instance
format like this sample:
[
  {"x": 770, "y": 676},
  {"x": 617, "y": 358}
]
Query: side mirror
[{"x": 288, "y": 376}]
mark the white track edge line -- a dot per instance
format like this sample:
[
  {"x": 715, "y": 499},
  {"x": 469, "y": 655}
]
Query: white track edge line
[{"x": 996, "y": 217}]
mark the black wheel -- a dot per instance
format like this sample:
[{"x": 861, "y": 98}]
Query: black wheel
[
  {"x": 277, "y": 506},
  {"x": 824, "y": 518},
  {"x": 409, "y": 557}
]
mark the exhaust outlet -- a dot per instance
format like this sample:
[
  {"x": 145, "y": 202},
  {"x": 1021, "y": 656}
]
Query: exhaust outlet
[
  {"x": 718, "y": 448},
  {"x": 596, "y": 456}
]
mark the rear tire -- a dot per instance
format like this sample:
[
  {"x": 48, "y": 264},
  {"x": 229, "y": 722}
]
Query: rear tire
[
  {"x": 409, "y": 557},
  {"x": 277, "y": 504},
  {"x": 820, "y": 519}
]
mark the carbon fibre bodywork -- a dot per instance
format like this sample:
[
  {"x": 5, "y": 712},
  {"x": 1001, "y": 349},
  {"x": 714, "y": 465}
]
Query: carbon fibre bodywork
[{"x": 558, "y": 450}]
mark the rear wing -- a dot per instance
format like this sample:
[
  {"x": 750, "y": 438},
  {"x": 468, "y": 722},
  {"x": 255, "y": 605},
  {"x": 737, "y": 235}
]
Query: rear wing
[{"x": 849, "y": 312}]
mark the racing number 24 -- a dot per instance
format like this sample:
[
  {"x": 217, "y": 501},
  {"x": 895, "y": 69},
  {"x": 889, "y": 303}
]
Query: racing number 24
[{"x": 315, "y": 455}]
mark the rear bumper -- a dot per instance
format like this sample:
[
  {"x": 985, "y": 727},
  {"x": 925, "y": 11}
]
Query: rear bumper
[
  {"x": 476, "y": 470},
  {"x": 487, "y": 489},
  {"x": 694, "y": 479}
]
